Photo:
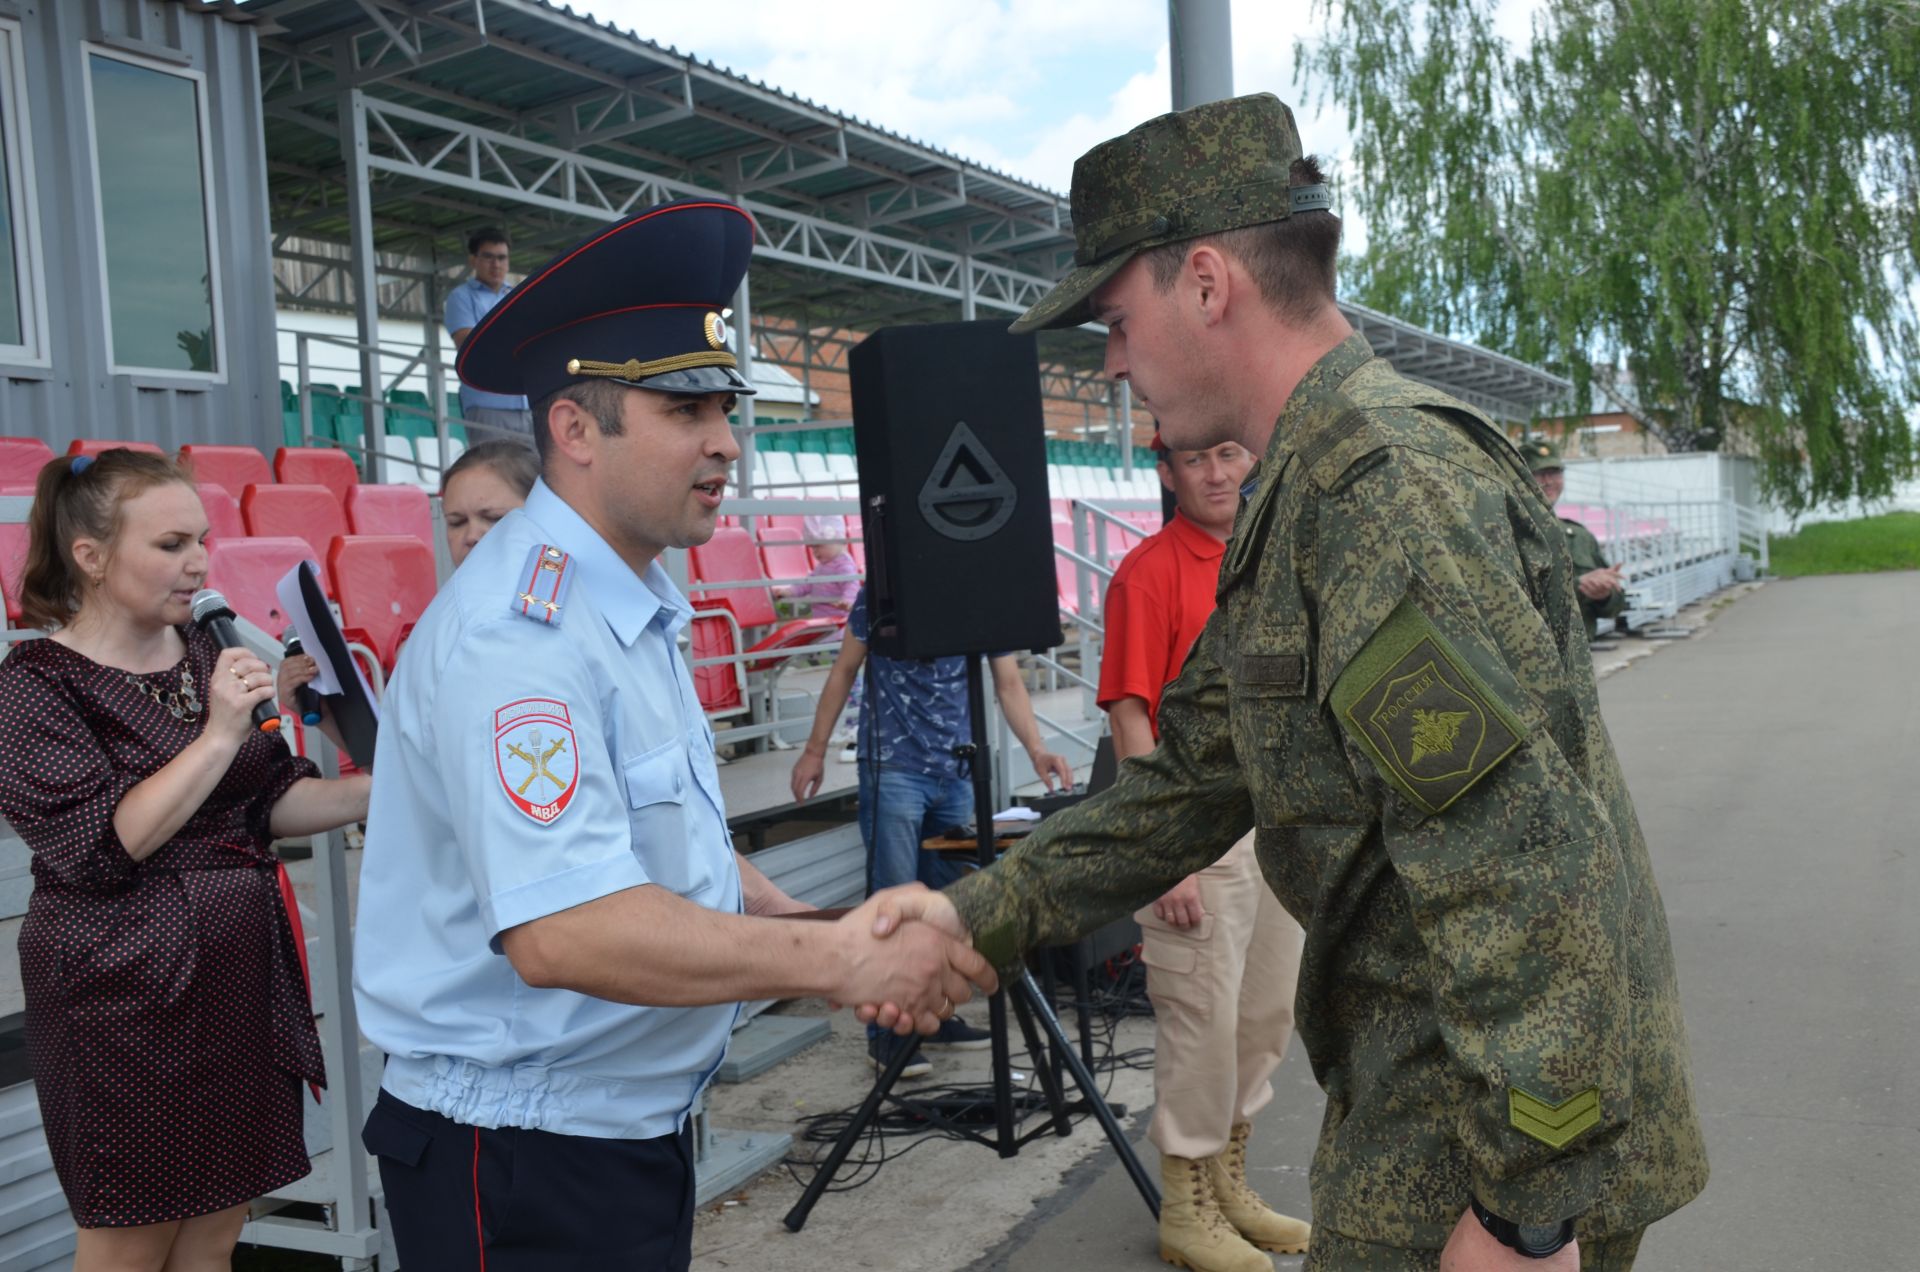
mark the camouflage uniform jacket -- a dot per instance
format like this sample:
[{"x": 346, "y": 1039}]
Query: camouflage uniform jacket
[
  {"x": 1586, "y": 554},
  {"x": 1395, "y": 691}
]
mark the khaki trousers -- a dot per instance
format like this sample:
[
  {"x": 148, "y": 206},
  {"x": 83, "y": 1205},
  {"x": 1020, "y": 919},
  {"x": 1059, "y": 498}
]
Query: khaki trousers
[{"x": 1222, "y": 996}]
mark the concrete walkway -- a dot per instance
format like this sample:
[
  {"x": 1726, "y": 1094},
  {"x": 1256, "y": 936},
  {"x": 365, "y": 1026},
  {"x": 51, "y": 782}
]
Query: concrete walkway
[{"x": 1775, "y": 762}]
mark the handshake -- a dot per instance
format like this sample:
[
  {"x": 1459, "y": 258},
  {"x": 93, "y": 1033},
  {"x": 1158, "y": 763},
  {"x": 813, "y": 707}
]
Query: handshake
[{"x": 905, "y": 960}]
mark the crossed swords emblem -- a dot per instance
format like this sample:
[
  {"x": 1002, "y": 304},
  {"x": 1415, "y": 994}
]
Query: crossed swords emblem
[{"x": 537, "y": 764}]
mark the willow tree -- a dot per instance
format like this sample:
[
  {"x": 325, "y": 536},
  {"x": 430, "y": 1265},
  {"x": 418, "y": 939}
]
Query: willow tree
[{"x": 1720, "y": 198}]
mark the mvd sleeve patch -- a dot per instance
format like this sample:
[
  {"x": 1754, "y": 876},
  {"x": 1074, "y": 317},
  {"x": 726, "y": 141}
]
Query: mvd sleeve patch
[
  {"x": 1554, "y": 1125},
  {"x": 536, "y": 757},
  {"x": 1412, "y": 703}
]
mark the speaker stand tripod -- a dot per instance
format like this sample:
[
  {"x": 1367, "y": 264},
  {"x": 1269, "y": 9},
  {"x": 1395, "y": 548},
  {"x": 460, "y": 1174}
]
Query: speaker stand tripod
[{"x": 1034, "y": 1013}]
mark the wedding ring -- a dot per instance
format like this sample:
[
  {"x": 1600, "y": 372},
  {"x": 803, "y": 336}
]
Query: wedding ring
[{"x": 946, "y": 1008}]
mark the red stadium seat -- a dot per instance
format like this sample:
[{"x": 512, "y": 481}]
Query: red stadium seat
[
  {"x": 317, "y": 466},
  {"x": 721, "y": 687},
  {"x": 305, "y": 512},
  {"x": 223, "y": 512},
  {"x": 384, "y": 582},
  {"x": 13, "y": 565},
  {"x": 234, "y": 467},
  {"x": 730, "y": 556},
  {"x": 248, "y": 572},
  {"x": 390, "y": 510},
  {"x": 784, "y": 553},
  {"x": 95, "y": 445},
  {"x": 22, "y": 458}
]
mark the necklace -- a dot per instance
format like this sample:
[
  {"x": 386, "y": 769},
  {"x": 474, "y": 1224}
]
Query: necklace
[{"x": 183, "y": 702}]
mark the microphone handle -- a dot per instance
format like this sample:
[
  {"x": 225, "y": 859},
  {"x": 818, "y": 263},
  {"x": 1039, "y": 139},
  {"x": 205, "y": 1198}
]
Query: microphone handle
[{"x": 266, "y": 718}]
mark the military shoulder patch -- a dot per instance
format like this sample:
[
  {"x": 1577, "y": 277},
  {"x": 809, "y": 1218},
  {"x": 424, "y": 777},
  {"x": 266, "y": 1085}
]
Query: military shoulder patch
[
  {"x": 1412, "y": 703},
  {"x": 540, "y": 589},
  {"x": 1554, "y": 1125}
]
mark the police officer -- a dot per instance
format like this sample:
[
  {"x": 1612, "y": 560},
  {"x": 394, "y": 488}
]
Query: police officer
[
  {"x": 1601, "y": 593},
  {"x": 1395, "y": 691},
  {"x": 551, "y": 940}
]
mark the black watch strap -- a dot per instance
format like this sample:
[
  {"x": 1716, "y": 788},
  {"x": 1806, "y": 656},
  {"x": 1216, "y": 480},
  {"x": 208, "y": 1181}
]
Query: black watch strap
[{"x": 1527, "y": 1240}]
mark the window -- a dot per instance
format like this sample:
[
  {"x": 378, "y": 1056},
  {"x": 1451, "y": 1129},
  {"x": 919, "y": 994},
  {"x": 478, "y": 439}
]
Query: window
[
  {"x": 150, "y": 160},
  {"x": 22, "y": 316}
]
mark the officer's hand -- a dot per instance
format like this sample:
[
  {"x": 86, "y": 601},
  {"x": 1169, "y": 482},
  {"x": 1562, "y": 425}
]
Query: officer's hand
[
  {"x": 1598, "y": 585},
  {"x": 1472, "y": 1249},
  {"x": 917, "y": 973},
  {"x": 1049, "y": 767},
  {"x": 1181, "y": 907},
  {"x": 239, "y": 681},
  {"x": 807, "y": 771}
]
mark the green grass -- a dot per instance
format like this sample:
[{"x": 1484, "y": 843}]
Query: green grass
[{"x": 1887, "y": 542}]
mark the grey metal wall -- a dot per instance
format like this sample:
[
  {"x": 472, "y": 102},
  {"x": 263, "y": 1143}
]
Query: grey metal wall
[{"x": 76, "y": 396}]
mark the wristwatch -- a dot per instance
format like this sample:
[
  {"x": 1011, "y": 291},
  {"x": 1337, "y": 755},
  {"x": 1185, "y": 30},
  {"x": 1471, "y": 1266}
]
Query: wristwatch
[{"x": 1532, "y": 1241}]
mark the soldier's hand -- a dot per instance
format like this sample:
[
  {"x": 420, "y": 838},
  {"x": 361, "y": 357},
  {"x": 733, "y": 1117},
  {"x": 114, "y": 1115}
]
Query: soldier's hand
[
  {"x": 1472, "y": 1248},
  {"x": 1598, "y": 585},
  {"x": 1181, "y": 907}
]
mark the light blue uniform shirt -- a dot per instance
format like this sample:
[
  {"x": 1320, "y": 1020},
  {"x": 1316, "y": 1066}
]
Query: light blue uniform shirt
[
  {"x": 467, "y": 304},
  {"x": 525, "y": 768}
]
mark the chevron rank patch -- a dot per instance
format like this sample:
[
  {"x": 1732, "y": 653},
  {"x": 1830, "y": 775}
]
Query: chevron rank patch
[
  {"x": 1415, "y": 706},
  {"x": 1554, "y": 1125},
  {"x": 540, "y": 591}
]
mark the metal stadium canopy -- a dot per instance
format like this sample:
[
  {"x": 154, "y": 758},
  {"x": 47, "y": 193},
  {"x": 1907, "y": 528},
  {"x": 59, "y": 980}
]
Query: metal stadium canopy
[{"x": 396, "y": 126}]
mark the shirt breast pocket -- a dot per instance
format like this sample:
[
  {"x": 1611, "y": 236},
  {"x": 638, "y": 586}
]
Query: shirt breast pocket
[{"x": 659, "y": 784}]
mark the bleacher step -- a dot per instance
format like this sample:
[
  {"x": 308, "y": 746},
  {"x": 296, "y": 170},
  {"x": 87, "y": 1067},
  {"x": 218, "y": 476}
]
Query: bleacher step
[
  {"x": 766, "y": 1042},
  {"x": 733, "y": 1158}
]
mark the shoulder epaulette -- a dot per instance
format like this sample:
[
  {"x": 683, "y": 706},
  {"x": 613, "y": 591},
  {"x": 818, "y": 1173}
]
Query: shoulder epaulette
[
  {"x": 1329, "y": 454},
  {"x": 540, "y": 589}
]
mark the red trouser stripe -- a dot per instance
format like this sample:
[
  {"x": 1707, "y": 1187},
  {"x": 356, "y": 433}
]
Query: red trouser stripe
[{"x": 479, "y": 1234}]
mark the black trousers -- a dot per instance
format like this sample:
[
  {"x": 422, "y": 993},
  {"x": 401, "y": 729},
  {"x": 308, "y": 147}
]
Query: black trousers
[{"x": 468, "y": 1199}]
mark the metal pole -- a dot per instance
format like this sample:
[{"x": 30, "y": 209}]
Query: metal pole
[
  {"x": 436, "y": 377},
  {"x": 1201, "y": 35},
  {"x": 742, "y": 322},
  {"x": 363, "y": 267},
  {"x": 967, "y": 309}
]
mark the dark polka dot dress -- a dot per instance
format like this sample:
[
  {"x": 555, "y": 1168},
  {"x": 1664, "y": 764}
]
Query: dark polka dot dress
[{"x": 168, "y": 1024}]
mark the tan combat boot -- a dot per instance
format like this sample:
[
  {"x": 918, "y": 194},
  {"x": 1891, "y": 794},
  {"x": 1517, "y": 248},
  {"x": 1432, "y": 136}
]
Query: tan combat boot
[
  {"x": 1242, "y": 1207},
  {"x": 1192, "y": 1232}
]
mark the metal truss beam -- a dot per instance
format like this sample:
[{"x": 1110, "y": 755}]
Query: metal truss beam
[{"x": 438, "y": 150}]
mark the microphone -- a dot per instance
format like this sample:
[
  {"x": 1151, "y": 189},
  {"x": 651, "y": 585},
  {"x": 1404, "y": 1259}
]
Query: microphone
[
  {"x": 306, "y": 697},
  {"x": 212, "y": 615}
]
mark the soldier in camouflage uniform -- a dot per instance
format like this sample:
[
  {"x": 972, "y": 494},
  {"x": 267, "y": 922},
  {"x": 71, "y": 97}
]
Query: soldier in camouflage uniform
[
  {"x": 1598, "y": 583},
  {"x": 1395, "y": 691}
]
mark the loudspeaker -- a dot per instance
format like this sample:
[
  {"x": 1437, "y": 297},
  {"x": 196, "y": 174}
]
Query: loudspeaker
[{"x": 951, "y": 445}]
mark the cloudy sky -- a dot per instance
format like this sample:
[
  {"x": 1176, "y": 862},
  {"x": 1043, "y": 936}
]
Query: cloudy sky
[{"x": 1023, "y": 86}]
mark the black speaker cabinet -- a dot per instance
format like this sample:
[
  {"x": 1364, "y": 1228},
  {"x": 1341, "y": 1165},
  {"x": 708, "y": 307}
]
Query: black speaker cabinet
[{"x": 953, "y": 491}]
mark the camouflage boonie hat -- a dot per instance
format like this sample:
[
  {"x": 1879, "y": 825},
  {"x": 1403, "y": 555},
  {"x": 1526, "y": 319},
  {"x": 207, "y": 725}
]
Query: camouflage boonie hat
[
  {"x": 1542, "y": 455},
  {"x": 1193, "y": 172}
]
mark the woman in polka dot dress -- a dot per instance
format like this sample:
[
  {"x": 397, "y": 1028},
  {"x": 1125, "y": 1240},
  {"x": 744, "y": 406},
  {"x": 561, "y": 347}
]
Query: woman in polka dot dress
[{"x": 168, "y": 1022}]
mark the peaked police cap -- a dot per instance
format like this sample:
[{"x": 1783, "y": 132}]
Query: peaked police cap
[{"x": 641, "y": 302}]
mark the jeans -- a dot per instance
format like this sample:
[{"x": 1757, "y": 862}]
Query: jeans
[{"x": 899, "y": 809}]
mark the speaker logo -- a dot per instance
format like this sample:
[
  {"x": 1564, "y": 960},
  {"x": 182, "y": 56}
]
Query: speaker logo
[{"x": 968, "y": 495}]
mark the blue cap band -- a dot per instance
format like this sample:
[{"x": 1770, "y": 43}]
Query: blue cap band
[{"x": 81, "y": 464}]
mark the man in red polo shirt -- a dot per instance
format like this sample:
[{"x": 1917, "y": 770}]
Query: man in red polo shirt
[{"x": 1219, "y": 1032}]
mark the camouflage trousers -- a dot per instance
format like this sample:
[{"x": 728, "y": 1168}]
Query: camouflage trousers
[{"x": 1331, "y": 1252}]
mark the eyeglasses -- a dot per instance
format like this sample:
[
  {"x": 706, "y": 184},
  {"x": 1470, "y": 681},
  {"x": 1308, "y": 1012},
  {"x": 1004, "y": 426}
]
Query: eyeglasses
[{"x": 491, "y": 256}]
